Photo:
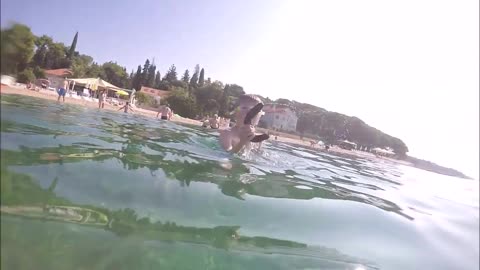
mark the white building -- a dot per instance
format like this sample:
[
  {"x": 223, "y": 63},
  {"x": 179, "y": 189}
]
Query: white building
[{"x": 279, "y": 117}]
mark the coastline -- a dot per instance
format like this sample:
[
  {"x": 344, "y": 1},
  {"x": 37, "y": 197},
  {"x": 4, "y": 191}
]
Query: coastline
[
  {"x": 285, "y": 138},
  {"x": 51, "y": 95}
]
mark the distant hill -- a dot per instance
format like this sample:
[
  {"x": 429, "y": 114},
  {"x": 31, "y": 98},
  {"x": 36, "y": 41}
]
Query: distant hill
[
  {"x": 330, "y": 126},
  {"x": 432, "y": 167}
]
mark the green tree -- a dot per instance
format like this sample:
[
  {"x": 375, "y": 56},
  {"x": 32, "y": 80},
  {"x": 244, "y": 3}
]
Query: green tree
[
  {"x": 115, "y": 74},
  {"x": 178, "y": 84},
  {"x": 399, "y": 147},
  {"x": 42, "y": 43},
  {"x": 80, "y": 65},
  {"x": 144, "y": 99},
  {"x": 16, "y": 48},
  {"x": 55, "y": 57},
  {"x": 164, "y": 85},
  {"x": 201, "y": 78},
  {"x": 95, "y": 71},
  {"x": 230, "y": 93},
  {"x": 171, "y": 75},
  {"x": 51, "y": 55},
  {"x": 182, "y": 102},
  {"x": 151, "y": 76},
  {"x": 207, "y": 97},
  {"x": 234, "y": 90},
  {"x": 144, "y": 78},
  {"x": 85, "y": 59},
  {"x": 211, "y": 106},
  {"x": 39, "y": 72},
  {"x": 157, "y": 80},
  {"x": 226, "y": 105},
  {"x": 186, "y": 77},
  {"x": 130, "y": 79},
  {"x": 26, "y": 76},
  {"x": 71, "y": 51},
  {"x": 194, "y": 79},
  {"x": 137, "y": 79}
]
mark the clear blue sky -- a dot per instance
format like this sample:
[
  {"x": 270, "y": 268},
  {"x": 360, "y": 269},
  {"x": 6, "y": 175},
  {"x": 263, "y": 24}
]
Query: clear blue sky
[
  {"x": 409, "y": 68},
  {"x": 184, "y": 33}
]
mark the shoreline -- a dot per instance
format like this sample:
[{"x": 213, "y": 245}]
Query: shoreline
[
  {"x": 51, "y": 95},
  {"x": 285, "y": 138}
]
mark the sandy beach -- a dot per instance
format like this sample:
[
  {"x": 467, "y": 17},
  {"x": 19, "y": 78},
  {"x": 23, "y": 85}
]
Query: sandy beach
[
  {"x": 282, "y": 137},
  {"x": 51, "y": 95}
]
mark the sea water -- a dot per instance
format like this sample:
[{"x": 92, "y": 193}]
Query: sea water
[{"x": 83, "y": 188}]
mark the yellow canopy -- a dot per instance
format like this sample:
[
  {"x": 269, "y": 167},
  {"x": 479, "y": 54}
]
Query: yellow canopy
[
  {"x": 105, "y": 84},
  {"x": 95, "y": 83},
  {"x": 122, "y": 93}
]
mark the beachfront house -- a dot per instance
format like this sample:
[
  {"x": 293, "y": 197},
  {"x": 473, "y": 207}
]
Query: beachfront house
[
  {"x": 56, "y": 76},
  {"x": 279, "y": 117}
]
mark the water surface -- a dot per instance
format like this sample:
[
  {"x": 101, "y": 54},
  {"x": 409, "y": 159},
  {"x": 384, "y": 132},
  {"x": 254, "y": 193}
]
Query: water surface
[{"x": 88, "y": 189}]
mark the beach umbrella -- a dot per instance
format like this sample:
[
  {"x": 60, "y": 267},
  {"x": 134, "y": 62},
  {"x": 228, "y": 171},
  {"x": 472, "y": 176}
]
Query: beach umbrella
[{"x": 122, "y": 93}]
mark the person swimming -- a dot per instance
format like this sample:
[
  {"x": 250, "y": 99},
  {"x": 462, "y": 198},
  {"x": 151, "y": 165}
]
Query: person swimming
[
  {"x": 214, "y": 122},
  {"x": 165, "y": 112},
  {"x": 126, "y": 107},
  {"x": 247, "y": 116},
  {"x": 205, "y": 123}
]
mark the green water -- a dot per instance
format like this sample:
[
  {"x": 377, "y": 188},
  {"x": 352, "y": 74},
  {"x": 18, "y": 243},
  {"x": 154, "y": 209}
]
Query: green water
[{"x": 89, "y": 189}]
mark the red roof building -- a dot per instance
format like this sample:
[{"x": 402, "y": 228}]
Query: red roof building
[
  {"x": 56, "y": 76},
  {"x": 61, "y": 72},
  {"x": 154, "y": 92}
]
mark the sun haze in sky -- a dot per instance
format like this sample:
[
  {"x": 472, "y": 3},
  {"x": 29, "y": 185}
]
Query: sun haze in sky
[{"x": 409, "y": 68}]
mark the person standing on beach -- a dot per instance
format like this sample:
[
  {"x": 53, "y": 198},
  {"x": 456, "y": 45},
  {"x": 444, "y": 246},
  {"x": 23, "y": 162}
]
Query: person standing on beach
[
  {"x": 63, "y": 90},
  {"x": 132, "y": 96},
  {"x": 101, "y": 99}
]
